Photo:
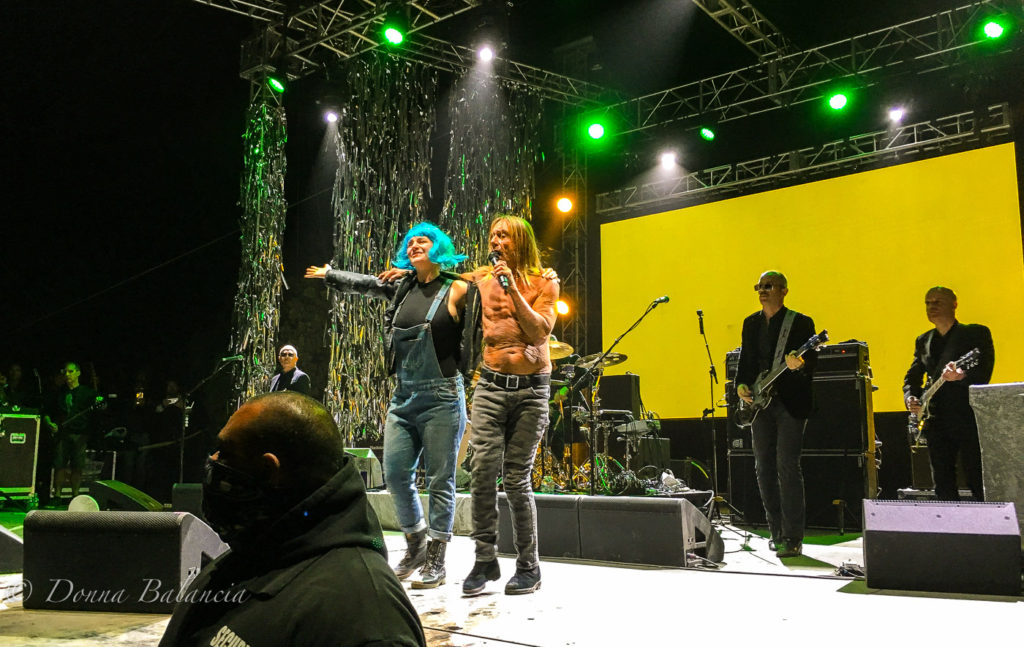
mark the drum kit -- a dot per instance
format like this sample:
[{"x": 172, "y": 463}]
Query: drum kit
[{"x": 580, "y": 429}]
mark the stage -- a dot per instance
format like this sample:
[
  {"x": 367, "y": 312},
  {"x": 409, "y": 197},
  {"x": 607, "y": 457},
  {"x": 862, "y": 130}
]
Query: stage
[{"x": 753, "y": 596}]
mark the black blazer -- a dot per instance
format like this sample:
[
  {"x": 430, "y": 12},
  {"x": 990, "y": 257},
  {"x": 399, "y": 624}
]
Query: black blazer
[
  {"x": 952, "y": 398},
  {"x": 294, "y": 380},
  {"x": 794, "y": 388}
]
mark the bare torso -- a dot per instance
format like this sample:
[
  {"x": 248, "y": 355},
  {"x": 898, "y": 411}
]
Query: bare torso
[{"x": 507, "y": 347}]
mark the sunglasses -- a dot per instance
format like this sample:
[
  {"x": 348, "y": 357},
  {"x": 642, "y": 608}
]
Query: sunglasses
[{"x": 767, "y": 287}]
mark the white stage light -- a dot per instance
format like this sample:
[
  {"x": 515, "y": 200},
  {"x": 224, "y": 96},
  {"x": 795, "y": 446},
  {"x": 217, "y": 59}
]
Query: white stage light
[
  {"x": 486, "y": 54},
  {"x": 668, "y": 161},
  {"x": 896, "y": 114}
]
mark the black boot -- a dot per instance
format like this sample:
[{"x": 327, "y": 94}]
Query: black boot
[
  {"x": 432, "y": 573},
  {"x": 415, "y": 554},
  {"x": 478, "y": 577},
  {"x": 524, "y": 581}
]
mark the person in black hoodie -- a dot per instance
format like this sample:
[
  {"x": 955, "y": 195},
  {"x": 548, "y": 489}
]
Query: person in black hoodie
[{"x": 307, "y": 564}]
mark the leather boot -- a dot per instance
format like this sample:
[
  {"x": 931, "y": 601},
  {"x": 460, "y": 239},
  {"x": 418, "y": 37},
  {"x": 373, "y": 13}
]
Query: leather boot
[
  {"x": 432, "y": 573},
  {"x": 415, "y": 554}
]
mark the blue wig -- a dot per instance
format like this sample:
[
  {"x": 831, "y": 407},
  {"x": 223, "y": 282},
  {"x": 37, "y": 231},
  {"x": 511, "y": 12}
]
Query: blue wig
[{"x": 442, "y": 251}]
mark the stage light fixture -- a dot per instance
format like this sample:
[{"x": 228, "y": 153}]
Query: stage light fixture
[
  {"x": 395, "y": 25},
  {"x": 485, "y": 54},
  {"x": 564, "y": 205},
  {"x": 896, "y": 114},
  {"x": 595, "y": 130},
  {"x": 561, "y": 307},
  {"x": 838, "y": 101},
  {"x": 993, "y": 29},
  {"x": 668, "y": 160},
  {"x": 707, "y": 134},
  {"x": 331, "y": 116}
]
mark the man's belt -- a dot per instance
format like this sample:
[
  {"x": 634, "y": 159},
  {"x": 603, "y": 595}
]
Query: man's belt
[{"x": 514, "y": 382}]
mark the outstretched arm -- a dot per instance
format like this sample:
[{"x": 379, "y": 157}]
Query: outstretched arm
[{"x": 352, "y": 282}]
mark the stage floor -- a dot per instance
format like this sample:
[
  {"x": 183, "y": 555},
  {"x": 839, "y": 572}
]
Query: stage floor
[{"x": 753, "y": 597}]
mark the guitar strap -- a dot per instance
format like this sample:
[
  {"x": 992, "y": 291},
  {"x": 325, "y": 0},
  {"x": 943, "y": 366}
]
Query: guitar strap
[{"x": 780, "y": 346}]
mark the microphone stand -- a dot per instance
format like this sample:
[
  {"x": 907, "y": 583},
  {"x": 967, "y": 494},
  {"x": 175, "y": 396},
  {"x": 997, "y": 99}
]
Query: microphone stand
[
  {"x": 587, "y": 373},
  {"x": 709, "y": 415},
  {"x": 185, "y": 407}
]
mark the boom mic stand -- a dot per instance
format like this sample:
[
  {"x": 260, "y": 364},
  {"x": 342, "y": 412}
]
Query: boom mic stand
[
  {"x": 186, "y": 406},
  {"x": 587, "y": 373},
  {"x": 709, "y": 415}
]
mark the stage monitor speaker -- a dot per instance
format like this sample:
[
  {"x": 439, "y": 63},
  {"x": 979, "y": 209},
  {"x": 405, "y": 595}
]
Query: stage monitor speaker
[
  {"x": 621, "y": 392},
  {"x": 188, "y": 497},
  {"x": 126, "y": 562},
  {"x": 19, "y": 446},
  {"x": 942, "y": 546},
  {"x": 368, "y": 466},
  {"x": 558, "y": 525},
  {"x": 12, "y": 551},
  {"x": 115, "y": 495},
  {"x": 641, "y": 530}
]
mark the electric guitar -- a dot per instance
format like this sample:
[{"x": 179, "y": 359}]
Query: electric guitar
[
  {"x": 916, "y": 422},
  {"x": 763, "y": 389}
]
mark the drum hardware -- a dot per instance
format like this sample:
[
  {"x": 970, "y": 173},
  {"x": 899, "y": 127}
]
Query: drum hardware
[
  {"x": 601, "y": 360},
  {"x": 558, "y": 349}
]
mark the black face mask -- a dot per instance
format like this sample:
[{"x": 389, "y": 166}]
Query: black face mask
[{"x": 238, "y": 507}]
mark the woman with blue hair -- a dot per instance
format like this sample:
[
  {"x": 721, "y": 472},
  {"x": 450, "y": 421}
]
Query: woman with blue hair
[{"x": 432, "y": 353}]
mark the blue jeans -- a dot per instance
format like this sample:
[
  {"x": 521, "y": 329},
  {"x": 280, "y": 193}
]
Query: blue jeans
[{"x": 426, "y": 417}]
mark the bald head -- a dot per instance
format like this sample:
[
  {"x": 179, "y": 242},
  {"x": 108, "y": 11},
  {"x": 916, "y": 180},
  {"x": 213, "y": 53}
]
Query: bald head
[{"x": 283, "y": 438}]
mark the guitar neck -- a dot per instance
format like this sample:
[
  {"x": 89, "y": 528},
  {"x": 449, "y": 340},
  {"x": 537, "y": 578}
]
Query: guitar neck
[
  {"x": 782, "y": 368},
  {"x": 930, "y": 391}
]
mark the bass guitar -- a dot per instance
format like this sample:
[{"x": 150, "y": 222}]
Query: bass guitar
[
  {"x": 763, "y": 389},
  {"x": 916, "y": 422}
]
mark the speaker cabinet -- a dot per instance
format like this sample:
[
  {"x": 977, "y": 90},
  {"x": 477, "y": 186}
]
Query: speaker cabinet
[
  {"x": 19, "y": 446},
  {"x": 834, "y": 486},
  {"x": 621, "y": 392},
  {"x": 640, "y": 530},
  {"x": 558, "y": 525},
  {"x": 115, "y": 495},
  {"x": 942, "y": 546},
  {"x": 12, "y": 552},
  {"x": 135, "y": 562}
]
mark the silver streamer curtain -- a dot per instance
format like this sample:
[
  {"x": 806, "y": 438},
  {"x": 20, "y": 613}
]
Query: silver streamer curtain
[
  {"x": 494, "y": 148},
  {"x": 381, "y": 189},
  {"x": 258, "y": 299}
]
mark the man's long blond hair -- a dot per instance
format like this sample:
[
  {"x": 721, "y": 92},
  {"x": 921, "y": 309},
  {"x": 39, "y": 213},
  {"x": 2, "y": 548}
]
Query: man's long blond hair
[{"x": 525, "y": 256}]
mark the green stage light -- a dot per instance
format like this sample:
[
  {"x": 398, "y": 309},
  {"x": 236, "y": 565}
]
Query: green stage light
[
  {"x": 993, "y": 29},
  {"x": 707, "y": 134},
  {"x": 837, "y": 101},
  {"x": 277, "y": 83},
  {"x": 595, "y": 130},
  {"x": 393, "y": 35}
]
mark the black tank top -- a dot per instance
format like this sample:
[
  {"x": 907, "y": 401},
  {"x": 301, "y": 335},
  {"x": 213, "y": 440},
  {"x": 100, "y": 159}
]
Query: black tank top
[{"x": 445, "y": 331}]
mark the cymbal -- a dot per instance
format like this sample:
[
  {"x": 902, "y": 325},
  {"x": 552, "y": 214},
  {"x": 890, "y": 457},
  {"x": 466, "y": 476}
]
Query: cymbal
[
  {"x": 610, "y": 360},
  {"x": 559, "y": 349}
]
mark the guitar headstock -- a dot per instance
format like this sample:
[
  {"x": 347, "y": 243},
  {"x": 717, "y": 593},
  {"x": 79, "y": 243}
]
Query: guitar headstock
[
  {"x": 969, "y": 360},
  {"x": 819, "y": 340}
]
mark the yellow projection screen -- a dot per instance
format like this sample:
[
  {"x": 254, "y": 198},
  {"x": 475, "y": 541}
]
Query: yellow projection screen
[{"x": 859, "y": 252}]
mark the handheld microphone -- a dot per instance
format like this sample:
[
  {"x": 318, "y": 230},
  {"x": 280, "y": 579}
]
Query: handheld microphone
[
  {"x": 233, "y": 358},
  {"x": 700, "y": 320},
  {"x": 663, "y": 299},
  {"x": 494, "y": 257}
]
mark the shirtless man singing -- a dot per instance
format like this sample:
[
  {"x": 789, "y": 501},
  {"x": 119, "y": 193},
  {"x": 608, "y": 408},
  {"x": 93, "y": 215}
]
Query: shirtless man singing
[{"x": 510, "y": 403}]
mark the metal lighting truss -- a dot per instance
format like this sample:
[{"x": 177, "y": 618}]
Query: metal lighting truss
[
  {"x": 747, "y": 25},
  {"x": 926, "y": 44},
  {"x": 989, "y": 126}
]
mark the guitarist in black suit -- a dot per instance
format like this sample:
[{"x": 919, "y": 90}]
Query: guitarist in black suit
[
  {"x": 951, "y": 429},
  {"x": 777, "y": 432}
]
